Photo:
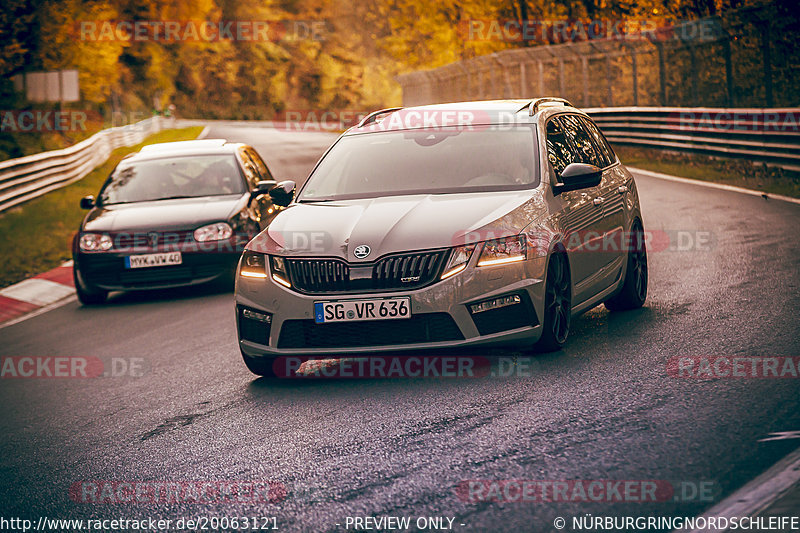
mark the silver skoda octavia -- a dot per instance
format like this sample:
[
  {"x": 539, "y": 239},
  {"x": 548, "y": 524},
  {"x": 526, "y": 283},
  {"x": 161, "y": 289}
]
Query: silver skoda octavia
[{"x": 455, "y": 225}]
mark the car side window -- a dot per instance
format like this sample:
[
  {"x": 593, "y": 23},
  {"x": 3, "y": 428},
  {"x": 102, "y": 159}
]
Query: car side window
[
  {"x": 600, "y": 142},
  {"x": 249, "y": 169},
  {"x": 559, "y": 153},
  {"x": 581, "y": 141},
  {"x": 261, "y": 167}
]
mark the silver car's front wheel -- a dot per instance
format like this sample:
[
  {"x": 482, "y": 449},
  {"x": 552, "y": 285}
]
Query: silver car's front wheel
[{"x": 557, "y": 305}]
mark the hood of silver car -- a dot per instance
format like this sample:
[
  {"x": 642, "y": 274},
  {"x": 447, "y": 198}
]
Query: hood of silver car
[{"x": 364, "y": 230}]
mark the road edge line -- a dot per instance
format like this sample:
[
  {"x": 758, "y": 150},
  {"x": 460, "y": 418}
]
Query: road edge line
[
  {"x": 712, "y": 185},
  {"x": 757, "y": 494}
]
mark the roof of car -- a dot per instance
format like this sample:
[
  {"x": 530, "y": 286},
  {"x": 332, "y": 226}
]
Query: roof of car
[
  {"x": 486, "y": 112},
  {"x": 184, "y": 148}
]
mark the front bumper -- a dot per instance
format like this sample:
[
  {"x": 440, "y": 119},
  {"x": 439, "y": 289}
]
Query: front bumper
[
  {"x": 441, "y": 316},
  {"x": 107, "y": 271}
]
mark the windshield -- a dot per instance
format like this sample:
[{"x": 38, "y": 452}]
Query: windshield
[
  {"x": 175, "y": 177},
  {"x": 445, "y": 160}
]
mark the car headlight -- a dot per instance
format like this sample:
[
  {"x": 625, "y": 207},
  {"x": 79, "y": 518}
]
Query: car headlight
[
  {"x": 95, "y": 242},
  {"x": 503, "y": 251},
  {"x": 213, "y": 232},
  {"x": 459, "y": 257},
  {"x": 278, "y": 268},
  {"x": 253, "y": 265}
]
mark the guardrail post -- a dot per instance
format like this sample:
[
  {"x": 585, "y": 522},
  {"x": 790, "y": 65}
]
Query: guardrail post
[
  {"x": 662, "y": 74},
  {"x": 608, "y": 81},
  {"x": 767, "y": 59},
  {"x": 585, "y": 68}
]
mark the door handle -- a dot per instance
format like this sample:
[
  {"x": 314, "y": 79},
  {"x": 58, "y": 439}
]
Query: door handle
[
  {"x": 622, "y": 189},
  {"x": 598, "y": 201}
]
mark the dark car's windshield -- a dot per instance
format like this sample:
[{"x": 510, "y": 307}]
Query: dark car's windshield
[
  {"x": 173, "y": 177},
  {"x": 445, "y": 160}
]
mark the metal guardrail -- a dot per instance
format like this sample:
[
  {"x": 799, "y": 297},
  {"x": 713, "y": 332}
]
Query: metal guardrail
[
  {"x": 770, "y": 136},
  {"x": 29, "y": 177}
]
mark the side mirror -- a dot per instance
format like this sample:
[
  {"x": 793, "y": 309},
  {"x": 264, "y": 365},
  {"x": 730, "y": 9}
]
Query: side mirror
[
  {"x": 283, "y": 193},
  {"x": 87, "y": 202},
  {"x": 263, "y": 187},
  {"x": 578, "y": 176}
]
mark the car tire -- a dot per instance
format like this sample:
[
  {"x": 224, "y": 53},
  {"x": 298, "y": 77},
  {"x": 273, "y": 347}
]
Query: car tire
[
  {"x": 557, "y": 305},
  {"x": 634, "y": 289},
  {"x": 88, "y": 296},
  {"x": 260, "y": 366}
]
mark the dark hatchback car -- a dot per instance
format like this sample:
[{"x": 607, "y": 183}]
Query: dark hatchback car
[{"x": 169, "y": 215}]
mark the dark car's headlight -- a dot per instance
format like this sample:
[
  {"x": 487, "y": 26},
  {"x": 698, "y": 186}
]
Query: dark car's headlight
[
  {"x": 278, "y": 268},
  {"x": 217, "y": 231},
  {"x": 503, "y": 251},
  {"x": 459, "y": 257},
  {"x": 253, "y": 265},
  {"x": 95, "y": 242}
]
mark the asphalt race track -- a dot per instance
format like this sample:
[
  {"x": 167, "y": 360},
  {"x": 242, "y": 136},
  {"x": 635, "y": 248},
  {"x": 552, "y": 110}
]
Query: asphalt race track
[{"x": 605, "y": 408}]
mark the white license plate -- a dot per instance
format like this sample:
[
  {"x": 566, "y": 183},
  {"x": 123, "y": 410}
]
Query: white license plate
[
  {"x": 153, "y": 260},
  {"x": 358, "y": 310}
]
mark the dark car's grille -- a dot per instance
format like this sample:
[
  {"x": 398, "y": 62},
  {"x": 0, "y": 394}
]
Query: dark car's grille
[
  {"x": 151, "y": 239},
  {"x": 108, "y": 269},
  {"x": 394, "y": 272},
  {"x": 429, "y": 327}
]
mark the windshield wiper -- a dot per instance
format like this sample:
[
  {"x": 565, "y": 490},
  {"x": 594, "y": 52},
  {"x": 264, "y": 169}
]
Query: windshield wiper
[{"x": 172, "y": 198}]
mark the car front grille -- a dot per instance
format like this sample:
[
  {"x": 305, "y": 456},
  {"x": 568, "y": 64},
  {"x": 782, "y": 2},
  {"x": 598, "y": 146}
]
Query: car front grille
[
  {"x": 428, "y": 327},
  {"x": 151, "y": 239},
  {"x": 108, "y": 269},
  {"x": 394, "y": 272}
]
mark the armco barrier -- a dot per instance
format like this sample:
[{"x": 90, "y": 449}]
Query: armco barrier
[
  {"x": 28, "y": 177},
  {"x": 770, "y": 136}
]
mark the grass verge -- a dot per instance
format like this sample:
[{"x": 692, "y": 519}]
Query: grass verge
[
  {"x": 36, "y": 236},
  {"x": 736, "y": 172}
]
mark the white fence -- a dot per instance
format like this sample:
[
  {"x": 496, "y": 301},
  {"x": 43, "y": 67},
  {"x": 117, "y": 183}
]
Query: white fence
[{"x": 28, "y": 177}]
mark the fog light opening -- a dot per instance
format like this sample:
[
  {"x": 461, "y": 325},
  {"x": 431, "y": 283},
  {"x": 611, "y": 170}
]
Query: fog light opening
[
  {"x": 255, "y": 315},
  {"x": 497, "y": 303}
]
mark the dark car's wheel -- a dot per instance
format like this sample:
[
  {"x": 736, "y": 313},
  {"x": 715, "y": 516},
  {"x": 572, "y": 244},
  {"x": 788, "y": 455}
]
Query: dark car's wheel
[
  {"x": 85, "y": 295},
  {"x": 260, "y": 366},
  {"x": 634, "y": 288},
  {"x": 557, "y": 305}
]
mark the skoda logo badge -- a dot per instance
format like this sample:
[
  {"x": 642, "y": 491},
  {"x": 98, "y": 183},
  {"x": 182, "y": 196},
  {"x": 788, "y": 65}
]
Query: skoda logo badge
[{"x": 361, "y": 251}]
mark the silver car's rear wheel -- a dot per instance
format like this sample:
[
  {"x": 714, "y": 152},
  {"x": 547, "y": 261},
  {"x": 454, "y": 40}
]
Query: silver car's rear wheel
[
  {"x": 634, "y": 289},
  {"x": 557, "y": 305}
]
